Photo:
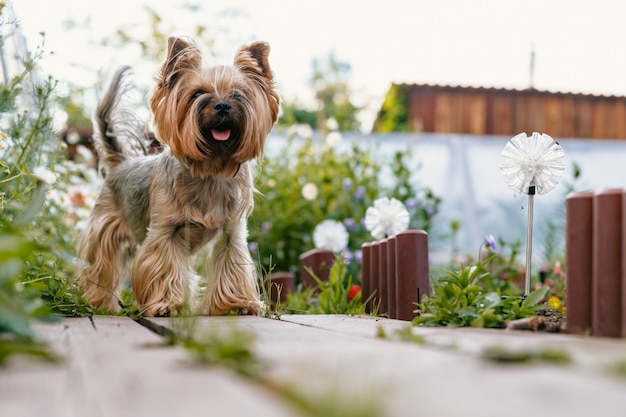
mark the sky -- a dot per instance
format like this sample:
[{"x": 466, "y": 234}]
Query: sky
[{"x": 579, "y": 46}]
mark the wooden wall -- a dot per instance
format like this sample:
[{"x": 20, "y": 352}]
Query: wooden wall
[{"x": 489, "y": 111}]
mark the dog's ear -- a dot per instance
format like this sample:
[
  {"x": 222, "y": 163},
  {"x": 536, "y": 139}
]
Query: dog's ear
[
  {"x": 182, "y": 54},
  {"x": 253, "y": 60}
]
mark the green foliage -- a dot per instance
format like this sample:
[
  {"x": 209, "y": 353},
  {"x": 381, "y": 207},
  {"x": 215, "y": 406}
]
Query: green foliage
[
  {"x": 393, "y": 115},
  {"x": 153, "y": 45},
  {"x": 346, "y": 184},
  {"x": 18, "y": 305},
  {"x": 301, "y": 301},
  {"x": 616, "y": 368},
  {"x": 337, "y": 295},
  {"x": 230, "y": 348},
  {"x": 334, "y": 401},
  {"x": 460, "y": 300},
  {"x": 333, "y": 297},
  {"x": 330, "y": 84},
  {"x": 501, "y": 354},
  {"x": 36, "y": 239},
  {"x": 294, "y": 113}
]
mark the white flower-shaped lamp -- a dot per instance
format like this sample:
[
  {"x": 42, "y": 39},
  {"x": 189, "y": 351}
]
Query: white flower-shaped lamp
[
  {"x": 387, "y": 217},
  {"x": 532, "y": 165},
  {"x": 532, "y": 161},
  {"x": 330, "y": 234}
]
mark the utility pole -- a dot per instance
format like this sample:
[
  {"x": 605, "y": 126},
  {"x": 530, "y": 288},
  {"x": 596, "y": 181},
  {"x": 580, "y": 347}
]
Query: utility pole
[{"x": 531, "y": 80}]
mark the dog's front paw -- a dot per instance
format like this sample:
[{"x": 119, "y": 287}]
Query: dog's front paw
[
  {"x": 161, "y": 309},
  {"x": 254, "y": 308}
]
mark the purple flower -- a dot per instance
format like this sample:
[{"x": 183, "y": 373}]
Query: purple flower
[
  {"x": 491, "y": 242},
  {"x": 411, "y": 203},
  {"x": 347, "y": 184},
  {"x": 349, "y": 223},
  {"x": 359, "y": 193},
  {"x": 253, "y": 247},
  {"x": 348, "y": 255},
  {"x": 358, "y": 255},
  {"x": 266, "y": 226}
]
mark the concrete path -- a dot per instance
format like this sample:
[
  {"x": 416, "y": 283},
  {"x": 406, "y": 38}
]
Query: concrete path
[{"x": 117, "y": 367}]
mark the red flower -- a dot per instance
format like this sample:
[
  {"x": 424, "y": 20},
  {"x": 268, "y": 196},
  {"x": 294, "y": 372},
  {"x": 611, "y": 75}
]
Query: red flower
[{"x": 354, "y": 290}]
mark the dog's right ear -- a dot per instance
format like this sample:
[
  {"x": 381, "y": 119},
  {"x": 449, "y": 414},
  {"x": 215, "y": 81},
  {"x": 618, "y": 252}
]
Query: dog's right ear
[{"x": 182, "y": 55}]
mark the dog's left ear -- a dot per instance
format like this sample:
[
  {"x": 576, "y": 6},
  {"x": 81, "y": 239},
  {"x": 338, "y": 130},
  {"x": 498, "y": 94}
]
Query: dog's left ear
[{"x": 252, "y": 59}]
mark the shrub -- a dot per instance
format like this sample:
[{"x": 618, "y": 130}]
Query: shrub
[{"x": 312, "y": 181}]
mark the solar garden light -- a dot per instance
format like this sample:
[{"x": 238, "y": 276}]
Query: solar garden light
[{"x": 532, "y": 165}]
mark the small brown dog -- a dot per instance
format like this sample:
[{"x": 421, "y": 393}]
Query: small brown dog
[{"x": 155, "y": 212}]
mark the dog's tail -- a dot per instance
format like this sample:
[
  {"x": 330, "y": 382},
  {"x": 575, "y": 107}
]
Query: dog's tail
[{"x": 118, "y": 133}]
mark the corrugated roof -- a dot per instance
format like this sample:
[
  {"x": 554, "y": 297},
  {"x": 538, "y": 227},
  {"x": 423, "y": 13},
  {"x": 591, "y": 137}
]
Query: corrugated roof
[{"x": 507, "y": 90}]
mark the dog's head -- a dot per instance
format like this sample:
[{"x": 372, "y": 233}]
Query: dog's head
[{"x": 214, "y": 118}]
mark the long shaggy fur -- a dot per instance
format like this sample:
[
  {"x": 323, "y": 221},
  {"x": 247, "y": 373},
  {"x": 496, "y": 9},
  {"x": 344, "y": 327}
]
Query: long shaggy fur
[{"x": 154, "y": 213}]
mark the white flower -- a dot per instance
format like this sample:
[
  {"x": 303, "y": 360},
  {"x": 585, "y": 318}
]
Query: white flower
[
  {"x": 309, "y": 191},
  {"x": 331, "y": 124},
  {"x": 330, "y": 234},
  {"x": 44, "y": 175},
  {"x": 387, "y": 217},
  {"x": 333, "y": 139},
  {"x": 304, "y": 131},
  {"x": 532, "y": 161},
  {"x": 5, "y": 141}
]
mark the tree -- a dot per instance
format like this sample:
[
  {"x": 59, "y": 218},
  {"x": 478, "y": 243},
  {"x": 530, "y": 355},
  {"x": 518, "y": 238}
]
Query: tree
[{"x": 329, "y": 82}]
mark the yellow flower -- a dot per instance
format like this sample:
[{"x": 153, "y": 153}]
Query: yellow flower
[{"x": 554, "y": 302}]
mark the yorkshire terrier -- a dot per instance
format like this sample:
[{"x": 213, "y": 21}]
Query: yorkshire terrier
[{"x": 155, "y": 212}]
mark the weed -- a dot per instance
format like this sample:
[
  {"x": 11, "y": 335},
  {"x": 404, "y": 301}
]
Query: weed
[{"x": 497, "y": 353}]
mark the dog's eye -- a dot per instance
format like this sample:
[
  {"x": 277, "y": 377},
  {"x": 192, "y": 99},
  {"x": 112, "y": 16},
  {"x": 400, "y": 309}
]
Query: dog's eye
[
  {"x": 236, "y": 96},
  {"x": 197, "y": 94}
]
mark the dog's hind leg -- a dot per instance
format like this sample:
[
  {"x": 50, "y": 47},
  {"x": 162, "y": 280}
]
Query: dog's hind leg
[
  {"x": 232, "y": 280},
  {"x": 99, "y": 247}
]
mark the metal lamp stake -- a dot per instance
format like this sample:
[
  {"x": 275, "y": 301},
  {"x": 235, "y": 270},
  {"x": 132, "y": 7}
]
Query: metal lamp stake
[{"x": 529, "y": 238}]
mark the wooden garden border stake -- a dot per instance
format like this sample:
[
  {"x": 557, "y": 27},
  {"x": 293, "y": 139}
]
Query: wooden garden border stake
[
  {"x": 606, "y": 290},
  {"x": 579, "y": 250}
]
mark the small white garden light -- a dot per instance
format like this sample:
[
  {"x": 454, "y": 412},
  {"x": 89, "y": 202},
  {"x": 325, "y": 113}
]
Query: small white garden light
[
  {"x": 532, "y": 165},
  {"x": 387, "y": 217},
  {"x": 330, "y": 234}
]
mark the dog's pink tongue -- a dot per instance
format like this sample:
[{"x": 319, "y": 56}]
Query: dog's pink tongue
[{"x": 220, "y": 134}]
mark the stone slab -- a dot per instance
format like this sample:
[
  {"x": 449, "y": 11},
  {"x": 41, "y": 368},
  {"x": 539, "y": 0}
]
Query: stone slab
[
  {"x": 322, "y": 354},
  {"x": 586, "y": 352},
  {"x": 116, "y": 367}
]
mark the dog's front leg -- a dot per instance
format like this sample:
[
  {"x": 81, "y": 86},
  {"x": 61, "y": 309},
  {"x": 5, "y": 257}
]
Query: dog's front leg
[
  {"x": 159, "y": 273},
  {"x": 231, "y": 281}
]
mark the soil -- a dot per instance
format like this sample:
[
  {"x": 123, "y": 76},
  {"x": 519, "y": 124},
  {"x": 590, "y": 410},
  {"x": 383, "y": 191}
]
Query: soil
[
  {"x": 554, "y": 321},
  {"x": 546, "y": 320}
]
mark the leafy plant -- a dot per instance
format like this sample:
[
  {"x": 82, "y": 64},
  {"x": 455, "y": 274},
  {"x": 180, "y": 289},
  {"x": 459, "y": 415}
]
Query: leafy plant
[
  {"x": 37, "y": 239},
  {"x": 460, "y": 300},
  {"x": 337, "y": 295},
  {"x": 334, "y": 294},
  {"x": 301, "y": 301}
]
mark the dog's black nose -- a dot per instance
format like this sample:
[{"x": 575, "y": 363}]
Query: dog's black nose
[{"x": 222, "y": 107}]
